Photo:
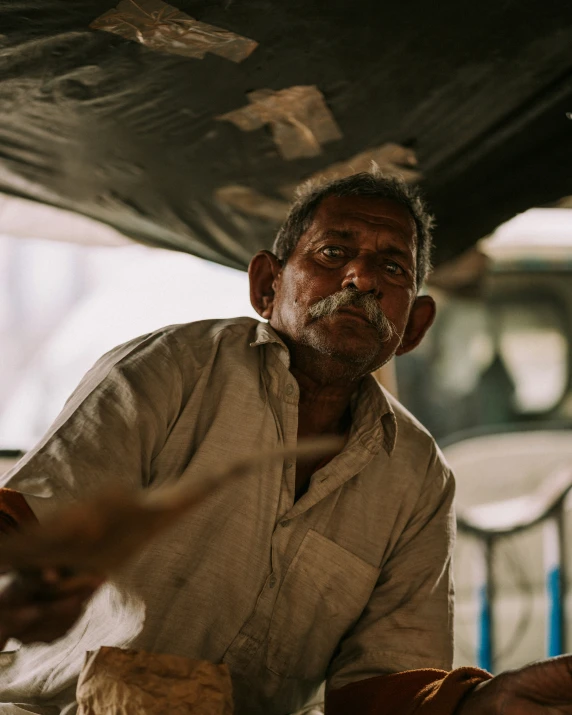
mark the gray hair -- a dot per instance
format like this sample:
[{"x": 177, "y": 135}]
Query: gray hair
[{"x": 371, "y": 184}]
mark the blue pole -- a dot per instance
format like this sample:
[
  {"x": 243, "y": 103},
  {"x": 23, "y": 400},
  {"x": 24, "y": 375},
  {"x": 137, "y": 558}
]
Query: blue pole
[
  {"x": 554, "y": 579},
  {"x": 485, "y": 593},
  {"x": 554, "y": 644},
  {"x": 484, "y": 646}
]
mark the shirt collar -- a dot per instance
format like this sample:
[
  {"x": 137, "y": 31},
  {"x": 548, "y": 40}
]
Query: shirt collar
[
  {"x": 266, "y": 334},
  {"x": 373, "y": 405},
  {"x": 371, "y": 398}
]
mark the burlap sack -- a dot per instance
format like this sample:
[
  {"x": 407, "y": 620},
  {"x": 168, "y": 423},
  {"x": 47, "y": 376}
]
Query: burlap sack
[{"x": 128, "y": 682}]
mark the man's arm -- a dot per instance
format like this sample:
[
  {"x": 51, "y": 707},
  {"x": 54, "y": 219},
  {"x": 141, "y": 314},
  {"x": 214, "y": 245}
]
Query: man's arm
[
  {"x": 107, "y": 435},
  {"x": 398, "y": 655},
  {"x": 413, "y": 692},
  {"x": 408, "y": 621},
  {"x": 42, "y": 606},
  {"x": 541, "y": 688},
  {"x": 110, "y": 430},
  {"x": 405, "y": 614}
]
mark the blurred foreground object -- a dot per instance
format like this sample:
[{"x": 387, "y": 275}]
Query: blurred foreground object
[
  {"x": 102, "y": 533},
  {"x": 130, "y": 682}
]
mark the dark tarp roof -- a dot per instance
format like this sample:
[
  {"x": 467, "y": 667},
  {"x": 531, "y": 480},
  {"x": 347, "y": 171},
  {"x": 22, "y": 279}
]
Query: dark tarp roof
[{"x": 102, "y": 125}]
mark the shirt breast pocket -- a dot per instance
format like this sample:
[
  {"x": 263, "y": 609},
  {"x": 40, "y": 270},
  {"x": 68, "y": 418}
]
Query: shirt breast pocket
[{"x": 322, "y": 595}]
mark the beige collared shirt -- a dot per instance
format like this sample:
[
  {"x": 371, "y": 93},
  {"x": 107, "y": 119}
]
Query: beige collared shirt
[{"x": 351, "y": 581}]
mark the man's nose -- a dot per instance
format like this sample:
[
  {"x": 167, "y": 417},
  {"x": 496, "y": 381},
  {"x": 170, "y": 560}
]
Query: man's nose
[{"x": 362, "y": 273}]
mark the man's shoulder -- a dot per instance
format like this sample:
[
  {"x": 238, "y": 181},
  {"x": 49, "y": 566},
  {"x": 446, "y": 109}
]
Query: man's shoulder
[
  {"x": 189, "y": 337},
  {"x": 407, "y": 423},
  {"x": 212, "y": 329},
  {"x": 173, "y": 348},
  {"x": 412, "y": 436}
]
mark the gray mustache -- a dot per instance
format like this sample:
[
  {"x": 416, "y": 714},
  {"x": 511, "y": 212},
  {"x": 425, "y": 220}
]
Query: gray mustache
[{"x": 326, "y": 307}]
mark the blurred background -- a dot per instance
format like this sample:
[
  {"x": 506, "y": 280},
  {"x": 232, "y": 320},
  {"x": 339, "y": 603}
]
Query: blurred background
[
  {"x": 148, "y": 150},
  {"x": 62, "y": 305}
]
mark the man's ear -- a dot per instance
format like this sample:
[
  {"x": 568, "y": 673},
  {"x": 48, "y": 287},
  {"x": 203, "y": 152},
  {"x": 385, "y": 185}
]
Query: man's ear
[
  {"x": 420, "y": 320},
  {"x": 263, "y": 270}
]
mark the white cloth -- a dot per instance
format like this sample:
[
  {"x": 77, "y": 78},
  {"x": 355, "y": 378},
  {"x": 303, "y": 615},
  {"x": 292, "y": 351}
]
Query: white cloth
[{"x": 350, "y": 581}]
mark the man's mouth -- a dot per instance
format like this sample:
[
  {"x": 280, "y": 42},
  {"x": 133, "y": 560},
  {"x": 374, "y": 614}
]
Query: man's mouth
[
  {"x": 361, "y": 306},
  {"x": 355, "y": 312}
]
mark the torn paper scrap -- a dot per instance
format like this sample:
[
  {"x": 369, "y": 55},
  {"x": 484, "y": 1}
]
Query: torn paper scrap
[
  {"x": 392, "y": 159},
  {"x": 130, "y": 682},
  {"x": 252, "y": 203},
  {"x": 162, "y": 27},
  {"x": 299, "y": 118}
]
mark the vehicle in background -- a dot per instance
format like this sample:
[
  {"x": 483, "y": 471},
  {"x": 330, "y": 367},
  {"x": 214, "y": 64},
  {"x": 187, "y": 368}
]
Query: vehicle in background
[
  {"x": 499, "y": 352},
  {"x": 493, "y": 383}
]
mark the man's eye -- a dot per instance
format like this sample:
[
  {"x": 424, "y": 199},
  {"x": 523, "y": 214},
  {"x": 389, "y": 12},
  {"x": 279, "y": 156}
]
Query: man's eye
[
  {"x": 332, "y": 252},
  {"x": 394, "y": 268}
]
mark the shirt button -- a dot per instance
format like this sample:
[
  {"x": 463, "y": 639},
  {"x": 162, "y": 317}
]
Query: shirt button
[
  {"x": 289, "y": 389},
  {"x": 272, "y": 582}
]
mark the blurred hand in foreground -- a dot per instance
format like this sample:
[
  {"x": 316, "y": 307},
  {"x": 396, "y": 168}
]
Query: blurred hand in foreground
[
  {"x": 543, "y": 688},
  {"x": 42, "y": 605}
]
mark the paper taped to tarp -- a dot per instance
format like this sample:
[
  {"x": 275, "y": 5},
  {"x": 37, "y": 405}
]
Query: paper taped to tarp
[
  {"x": 251, "y": 202},
  {"x": 162, "y": 27},
  {"x": 130, "y": 682},
  {"x": 101, "y": 533},
  {"x": 392, "y": 159},
  {"x": 100, "y": 125},
  {"x": 299, "y": 118}
]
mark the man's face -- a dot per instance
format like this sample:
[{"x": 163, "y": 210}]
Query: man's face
[{"x": 358, "y": 244}]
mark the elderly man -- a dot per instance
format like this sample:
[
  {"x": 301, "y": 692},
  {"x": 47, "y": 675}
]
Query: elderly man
[{"x": 335, "y": 570}]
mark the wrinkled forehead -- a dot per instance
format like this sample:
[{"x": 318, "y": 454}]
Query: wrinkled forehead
[{"x": 367, "y": 214}]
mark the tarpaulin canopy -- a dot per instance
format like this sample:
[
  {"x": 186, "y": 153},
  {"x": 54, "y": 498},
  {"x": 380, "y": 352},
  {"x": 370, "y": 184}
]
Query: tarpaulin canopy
[{"x": 187, "y": 125}]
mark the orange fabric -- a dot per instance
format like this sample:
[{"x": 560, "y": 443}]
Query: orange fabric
[
  {"x": 14, "y": 511},
  {"x": 413, "y": 692}
]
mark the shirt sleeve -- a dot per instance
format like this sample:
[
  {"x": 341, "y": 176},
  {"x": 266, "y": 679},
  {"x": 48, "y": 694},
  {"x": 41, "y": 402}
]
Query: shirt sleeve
[
  {"x": 110, "y": 430},
  {"x": 408, "y": 621}
]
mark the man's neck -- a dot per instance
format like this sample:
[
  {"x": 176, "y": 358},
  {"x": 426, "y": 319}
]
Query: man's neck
[
  {"x": 322, "y": 409},
  {"x": 324, "y": 406}
]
